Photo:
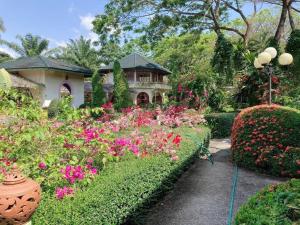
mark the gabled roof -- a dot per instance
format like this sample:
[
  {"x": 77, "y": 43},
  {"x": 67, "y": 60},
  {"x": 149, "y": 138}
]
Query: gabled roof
[
  {"x": 40, "y": 62},
  {"x": 136, "y": 61}
]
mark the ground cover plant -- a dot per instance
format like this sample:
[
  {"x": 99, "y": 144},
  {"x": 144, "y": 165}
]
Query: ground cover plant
[
  {"x": 266, "y": 139},
  {"x": 275, "y": 204},
  {"x": 68, "y": 154}
]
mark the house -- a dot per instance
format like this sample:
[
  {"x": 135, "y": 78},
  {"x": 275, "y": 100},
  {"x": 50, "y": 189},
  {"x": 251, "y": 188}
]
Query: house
[
  {"x": 47, "y": 79},
  {"x": 147, "y": 80}
]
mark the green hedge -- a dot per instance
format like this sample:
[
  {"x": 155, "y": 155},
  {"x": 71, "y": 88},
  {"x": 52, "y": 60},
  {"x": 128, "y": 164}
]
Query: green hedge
[
  {"x": 220, "y": 123},
  {"x": 124, "y": 189},
  {"x": 275, "y": 204}
]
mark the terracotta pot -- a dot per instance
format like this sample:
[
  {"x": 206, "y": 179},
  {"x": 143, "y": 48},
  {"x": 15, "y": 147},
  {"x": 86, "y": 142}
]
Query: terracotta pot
[{"x": 19, "y": 198}]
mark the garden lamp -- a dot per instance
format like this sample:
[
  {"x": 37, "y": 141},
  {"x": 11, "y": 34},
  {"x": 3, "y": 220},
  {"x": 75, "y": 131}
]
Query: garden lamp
[{"x": 263, "y": 61}]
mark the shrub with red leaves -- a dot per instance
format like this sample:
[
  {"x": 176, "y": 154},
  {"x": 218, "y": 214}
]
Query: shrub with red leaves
[{"x": 267, "y": 139}]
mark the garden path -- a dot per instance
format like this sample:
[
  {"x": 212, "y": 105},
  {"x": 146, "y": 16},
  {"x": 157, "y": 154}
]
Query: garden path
[{"x": 202, "y": 194}]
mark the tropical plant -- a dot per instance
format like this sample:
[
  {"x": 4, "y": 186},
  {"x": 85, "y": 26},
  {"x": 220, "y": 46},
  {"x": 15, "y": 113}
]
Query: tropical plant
[
  {"x": 4, "y": 57},
  {"x": 98, "y": 95},
  {"x": 31, "y": 45},
  {"x": 80, "y": 52},
  {"x": 2, "y": 28},
  {"x": 122, "y": 97},
  {"x": 293, "y": 47}
]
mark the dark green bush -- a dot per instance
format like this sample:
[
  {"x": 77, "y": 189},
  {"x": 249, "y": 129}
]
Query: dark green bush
[
  {"x": 220, "y": 124},
  {"x": 53, "y": 109},
  {"x": 274, "y": 205},
  {"x": 123, "y": 189},
  {"x": 266, "y": 139}
]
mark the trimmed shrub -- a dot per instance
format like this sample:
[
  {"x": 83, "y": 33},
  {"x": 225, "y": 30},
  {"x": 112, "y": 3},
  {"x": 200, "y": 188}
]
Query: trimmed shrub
[
  {"x": 53, "y": 109},
  {"x": 266, "y": 139},
  {"x": 98, "y": 94},
  {"x": 220, "y": 124},
  {"x": 123, "y": 189},
  {"x": 122, "y": 98},
  {"x": 275, "y": 204}
]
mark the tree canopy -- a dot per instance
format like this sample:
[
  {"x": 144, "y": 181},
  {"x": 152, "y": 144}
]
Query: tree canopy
[{"x": 30, "y": 45}]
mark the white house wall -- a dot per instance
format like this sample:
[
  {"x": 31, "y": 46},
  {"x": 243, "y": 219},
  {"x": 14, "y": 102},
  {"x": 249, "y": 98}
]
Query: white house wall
[{"x": 55, "y": 79}]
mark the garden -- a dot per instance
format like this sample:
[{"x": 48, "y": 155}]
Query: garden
[
  {"x": 232, "y": 74},
  {"x": 115, "y": 161}
]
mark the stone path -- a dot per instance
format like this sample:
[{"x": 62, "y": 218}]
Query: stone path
[{"x": 202, "y": 194}]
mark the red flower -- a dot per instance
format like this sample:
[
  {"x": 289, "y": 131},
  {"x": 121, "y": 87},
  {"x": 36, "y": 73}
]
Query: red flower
[{"x": 177, "y": 140}]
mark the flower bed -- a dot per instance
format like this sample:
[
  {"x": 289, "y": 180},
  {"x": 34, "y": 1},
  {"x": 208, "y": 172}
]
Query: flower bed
[
  {"x": 266, "y": 138},
  {"x": 123, "y": 189},
  {"x": 275, "y": 204},
  {"x": 74, "y": 153}
]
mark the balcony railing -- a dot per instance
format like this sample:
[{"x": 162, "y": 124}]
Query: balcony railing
[{"x": 153, "y": 85}]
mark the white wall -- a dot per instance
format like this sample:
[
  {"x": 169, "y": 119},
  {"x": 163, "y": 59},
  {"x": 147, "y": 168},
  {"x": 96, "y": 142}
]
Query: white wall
[
  {"x": 55, "y": 79},
  {"x": 108, "y": 79}
]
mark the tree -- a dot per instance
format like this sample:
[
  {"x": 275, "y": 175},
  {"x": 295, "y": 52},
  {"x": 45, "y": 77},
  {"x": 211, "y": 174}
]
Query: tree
[
  {"x": 98, "y": 95},
  {"x": 222, "y": 62},
  {"x": 159, "y": 18},
  {"x": 2, "y": 28},
  {"x": 31, "y": 45},
  {"x": 80, "y": 52},
  {"x": 122, "y": 97},
  {"x": 4, "y": 57},
  {"x": 293, "y": 47}
]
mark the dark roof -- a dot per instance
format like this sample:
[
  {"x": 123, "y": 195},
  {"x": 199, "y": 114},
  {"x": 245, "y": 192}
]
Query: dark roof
[
  {"x": 136, "y": 61},
  {"x": 40, "y": 62}
]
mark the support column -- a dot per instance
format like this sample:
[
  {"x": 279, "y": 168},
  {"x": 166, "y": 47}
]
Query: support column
[
  {"x": 135, "y": 76},
  {"x": 151, "y": 77}
]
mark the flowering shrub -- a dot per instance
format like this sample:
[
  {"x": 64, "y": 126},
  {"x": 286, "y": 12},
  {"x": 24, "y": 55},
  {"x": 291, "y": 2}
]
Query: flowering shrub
[{"x": 266, "y": 138}]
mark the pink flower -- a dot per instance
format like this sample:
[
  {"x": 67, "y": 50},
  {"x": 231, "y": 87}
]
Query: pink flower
[
  {"x": 62, "y": 192},
  {"x": 42, "y": 166},
  {"x": 73, "y": 173},
  {"x": 175, "y": 158},
  {"x": 94, "y": 171},
  {"x": 179, "y": 89}
]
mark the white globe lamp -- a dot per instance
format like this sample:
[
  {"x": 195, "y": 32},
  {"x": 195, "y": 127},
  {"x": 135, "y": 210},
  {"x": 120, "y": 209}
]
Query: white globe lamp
[
  {"x": 257, "y": 65},
  {"x": 285, "y": 59},
  {"x": 264, "y": 58},
  {"x": 272, "y": 51}
]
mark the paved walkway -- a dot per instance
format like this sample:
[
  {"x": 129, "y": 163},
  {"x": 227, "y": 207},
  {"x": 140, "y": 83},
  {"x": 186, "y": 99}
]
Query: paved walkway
[{"x": 202, "y": 194}]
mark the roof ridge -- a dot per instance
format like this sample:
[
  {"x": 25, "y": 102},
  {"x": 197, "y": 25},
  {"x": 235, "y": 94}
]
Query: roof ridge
[{"x": 44, "y": 61}]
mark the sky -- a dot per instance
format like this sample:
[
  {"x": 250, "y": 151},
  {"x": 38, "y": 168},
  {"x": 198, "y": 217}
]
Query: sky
[{"x": 56, "y": 20}]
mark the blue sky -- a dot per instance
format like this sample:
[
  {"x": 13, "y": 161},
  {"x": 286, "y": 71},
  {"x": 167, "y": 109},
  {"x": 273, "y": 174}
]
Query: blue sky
[{"x": 56, "y": 20}]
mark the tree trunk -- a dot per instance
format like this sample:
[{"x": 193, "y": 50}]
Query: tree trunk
[
  {"x": 292, "y": 23},
  {"x": 280, "y": 27}
]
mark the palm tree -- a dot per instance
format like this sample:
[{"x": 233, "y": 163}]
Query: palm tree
[
  {"x": 80, "y": 52},
  {"x": 31, "y": 45},
  {"x": 2, "y": 28},
  {"x": 4, "y": 57}
]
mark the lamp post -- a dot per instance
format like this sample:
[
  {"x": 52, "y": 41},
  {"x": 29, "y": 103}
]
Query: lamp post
[{"x": 263, "y": 61}]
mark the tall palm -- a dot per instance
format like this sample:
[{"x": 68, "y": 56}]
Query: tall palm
[
  {"x": 80, "y": 52},
  {"x": 1, "y": 25},
  {"x": 30, "y": 45}
]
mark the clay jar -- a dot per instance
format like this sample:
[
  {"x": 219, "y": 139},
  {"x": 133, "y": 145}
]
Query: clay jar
[{"x": 19, "y": 198}]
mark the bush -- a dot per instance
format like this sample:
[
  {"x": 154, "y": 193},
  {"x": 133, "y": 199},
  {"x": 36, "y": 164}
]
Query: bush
[
  {"x": 275, "y": 204},
  {"x": 123, "y": 189},
  {"x": 266, "y": 139},
  {"x": 53, "y": 109},
  {"x": 220, "y": 124}
]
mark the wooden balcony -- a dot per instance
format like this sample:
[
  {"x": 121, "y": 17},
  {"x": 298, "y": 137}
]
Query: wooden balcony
[{"x": 150, "y": 85}]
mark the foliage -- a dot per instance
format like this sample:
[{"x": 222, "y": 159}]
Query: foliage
[
  {"x": 293, "y": 47},
  {"x": 2, "y": 28},
  {"x": 265, "y": 138},
  {"x": 61, "y": 109},
  {"x": 5, "y": 80},
  {"x": 4, "y": 57},
  {"x": 80, "y": 52},
  {"x": 98, "y": 94},
  {"x": 222, "y": 61},
  {"x": 123, "y": 189},
  {"x": 122, "y": 97},
  {"x": 282, "y": 202},
  {"x": 220, "y": 124},
  {"x": 31, "y": 45}
]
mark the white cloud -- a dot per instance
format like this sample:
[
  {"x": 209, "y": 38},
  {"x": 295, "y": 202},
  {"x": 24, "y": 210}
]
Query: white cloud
[
  {"x": 57, "y": 43},
  {"x": 93, "y": 36},
  {"x": 9, "y": 51},
  {"x": 86, "y": 21}
]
